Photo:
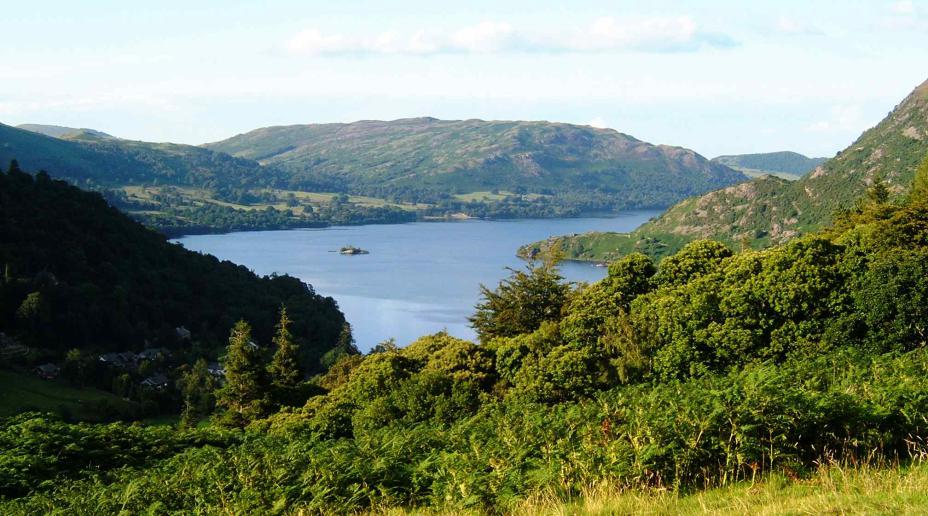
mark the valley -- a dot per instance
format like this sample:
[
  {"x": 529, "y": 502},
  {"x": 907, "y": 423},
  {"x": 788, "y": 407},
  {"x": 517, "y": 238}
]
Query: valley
[{"x": 244, "y": 269}]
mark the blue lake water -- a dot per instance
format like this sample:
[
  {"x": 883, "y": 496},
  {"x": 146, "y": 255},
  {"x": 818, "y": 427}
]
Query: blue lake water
[{"x": 418, "y": 279}]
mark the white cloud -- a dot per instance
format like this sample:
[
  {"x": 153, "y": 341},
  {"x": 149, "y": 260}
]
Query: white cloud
[
  {"x": 606, "y": 34},
  {"x": 483, "y": 37}
]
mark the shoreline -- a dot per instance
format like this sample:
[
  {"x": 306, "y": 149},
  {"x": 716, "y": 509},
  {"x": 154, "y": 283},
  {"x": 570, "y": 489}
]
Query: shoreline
[{"x": 597, "y": 215}]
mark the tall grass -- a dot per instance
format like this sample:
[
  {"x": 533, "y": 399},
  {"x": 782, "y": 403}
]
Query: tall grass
[{"x": 833, "y": 488}]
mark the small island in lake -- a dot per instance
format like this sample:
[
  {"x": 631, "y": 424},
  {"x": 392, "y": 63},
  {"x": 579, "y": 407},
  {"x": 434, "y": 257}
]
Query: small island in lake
[{"x": 351, "y": 250}]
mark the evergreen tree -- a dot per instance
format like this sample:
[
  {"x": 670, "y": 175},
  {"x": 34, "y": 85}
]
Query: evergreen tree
[
  {"x": 196, "y": 387},
  {"x": 285, "y": 368},
  {"x": 344, "y": 347},
  {"x": 244, "y": 395},
  {"x": 520, "y": 303},
  {"x": 878, "y": 193}
]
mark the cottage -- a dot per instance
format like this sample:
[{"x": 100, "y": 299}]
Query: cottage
[
  {"x": 216, "y": 369},
  {"x": 182, "y": 333},
  {"x": 154, "y": 353},
  {"x": 159, "y": 382},
  {"x": 125, "y": 360},
  {"x": 47, "y": 371}
]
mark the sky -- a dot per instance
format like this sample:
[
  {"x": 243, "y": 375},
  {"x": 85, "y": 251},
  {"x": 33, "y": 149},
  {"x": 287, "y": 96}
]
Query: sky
[{"x": 719, "y": 77}]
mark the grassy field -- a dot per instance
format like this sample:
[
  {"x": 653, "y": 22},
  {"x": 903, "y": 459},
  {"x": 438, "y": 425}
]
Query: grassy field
[
  {"x": 198, "y": 196},
  {"x": 21, "y": 392},
  {"x": 830, "y": 490},
  {"x": 750, "y": 172},
  {"x": 493, "y": 197}
]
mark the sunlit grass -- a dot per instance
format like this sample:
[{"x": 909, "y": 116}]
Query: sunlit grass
[{"x": 830, "y": 490}]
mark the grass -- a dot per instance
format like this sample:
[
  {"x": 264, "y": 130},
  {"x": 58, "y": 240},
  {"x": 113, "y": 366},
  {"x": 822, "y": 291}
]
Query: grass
[
  {"x": 198, "y": 196},
  {"x": 487, "y": 196},
  {"x": 750, "y": 172},
  {"x": 830, "y": 490},
  {"x": 21, "y": 392}
]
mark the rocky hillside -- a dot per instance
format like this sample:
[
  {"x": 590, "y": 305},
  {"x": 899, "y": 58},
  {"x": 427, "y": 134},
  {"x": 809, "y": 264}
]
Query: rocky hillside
[
  {"x": 768, "y": 210},
  {"x": 413, "y": 158}
]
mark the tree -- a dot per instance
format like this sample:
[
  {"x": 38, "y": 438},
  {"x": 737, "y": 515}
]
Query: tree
[
  {"x": 344, "y": 347},
  {"x": 521, "y": 303},
  {"x": 32, "y": 311},
  {"x": 244, "y": 395},
  {"x": 196, "y": 387},
  {"x": 385, "y": 346},
  {"x": 878, "y": 193},
  {"x": 694, "y": 260},
  {"x": 920, "y": 185},
  {"x": 76, "y": 367},
  {"x": 285, "y": 367}
]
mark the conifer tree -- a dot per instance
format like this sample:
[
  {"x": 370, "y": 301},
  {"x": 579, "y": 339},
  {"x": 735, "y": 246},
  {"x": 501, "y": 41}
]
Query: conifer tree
[
  {"x": 878, "y": 193},
  {"x": 285, "y": 368},
  {"x": 245, "y": 393},
  {"x": 196, "y": 387}
]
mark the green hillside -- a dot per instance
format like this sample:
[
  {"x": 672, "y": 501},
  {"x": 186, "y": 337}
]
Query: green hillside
[
  {"x": 107, "y": 162},
  {"x": 769, "y": 210},
  {"x": 377, "y": 172},
  {"x": 787, "y": 165},
  {"x": 425, "y": 160},
  {"x": 181, "y": 189},
  {"x": 78, "y": 274}
]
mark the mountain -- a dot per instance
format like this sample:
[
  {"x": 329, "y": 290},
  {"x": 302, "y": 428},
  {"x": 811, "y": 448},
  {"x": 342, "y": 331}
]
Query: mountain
[
  {"x": 78, "y": 274},
  {"x": 769, "y": 210},
  {"x": 388, "y": 172},
  {"x": 788, "y": 165},
  {"x": 108, "y": 161},
  {"x": 425, "y": 160},
  {"x": 58, "y": 131}
]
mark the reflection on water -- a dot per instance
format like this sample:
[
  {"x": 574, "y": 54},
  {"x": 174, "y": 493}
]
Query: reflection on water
[{"x": 418, "y": 278}]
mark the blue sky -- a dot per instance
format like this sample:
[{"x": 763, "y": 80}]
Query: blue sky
[{"x": 715, "y": 76}]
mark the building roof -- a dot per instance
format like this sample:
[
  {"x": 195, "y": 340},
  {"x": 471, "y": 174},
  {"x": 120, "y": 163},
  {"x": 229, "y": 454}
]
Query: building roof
[{"x": 156, "y": 380}]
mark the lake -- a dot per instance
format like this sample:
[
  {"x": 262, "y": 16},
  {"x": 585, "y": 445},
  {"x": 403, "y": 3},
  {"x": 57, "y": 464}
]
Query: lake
[{"x": 418, "y": 279}]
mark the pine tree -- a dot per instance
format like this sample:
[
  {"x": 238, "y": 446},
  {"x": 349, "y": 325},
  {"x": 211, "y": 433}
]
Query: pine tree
[
  {"x": 344, "y": 347},
  {"x": 196, "y": 387},
  {"x": 878, "y": 193},
  {"x": 245, "y": 393},
  {"x": 285, "y": 367}
]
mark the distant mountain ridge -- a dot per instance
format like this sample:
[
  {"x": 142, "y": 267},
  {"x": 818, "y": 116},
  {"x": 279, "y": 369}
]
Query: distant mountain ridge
[
  {"x": 768, "y": 210},
  {"x": 405, "y": 157},
  {"x": 59, "y": 131},
  {"x": 423, "y": 168},
  {"x": 785, "y": 164},
  {"x": 110, "y": 161}
]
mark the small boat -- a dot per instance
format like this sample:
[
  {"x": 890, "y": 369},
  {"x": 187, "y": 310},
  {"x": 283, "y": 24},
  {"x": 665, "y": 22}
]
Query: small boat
[{"x": 351, "y": 250}]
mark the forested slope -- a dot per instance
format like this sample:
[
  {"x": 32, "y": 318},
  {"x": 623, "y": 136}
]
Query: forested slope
[{"x": 79, "y": 274}]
